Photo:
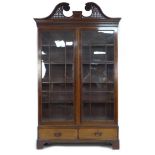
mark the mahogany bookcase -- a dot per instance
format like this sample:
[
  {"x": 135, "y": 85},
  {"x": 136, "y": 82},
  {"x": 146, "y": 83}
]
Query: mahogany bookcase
[{"x": 77, "y": 77}]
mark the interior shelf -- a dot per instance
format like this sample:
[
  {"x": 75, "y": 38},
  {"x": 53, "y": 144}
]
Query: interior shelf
[
  {"x": 93, "y": 91},
  {"x": 59, "y": 82},
  {"x": 95, "y": 45},
  {"x": 98, "y": 82},
  {"x": 98, "y": 63},
  {"x": 58, "y": 63}
]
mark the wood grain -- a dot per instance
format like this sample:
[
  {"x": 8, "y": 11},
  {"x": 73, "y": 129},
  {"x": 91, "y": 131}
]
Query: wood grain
[
  {"x": 98, "y": 134},
  {"x": 55, "y": 134}
]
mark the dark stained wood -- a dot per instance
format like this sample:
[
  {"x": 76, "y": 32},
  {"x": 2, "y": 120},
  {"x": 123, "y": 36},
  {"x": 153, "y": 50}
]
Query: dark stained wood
[
  {"x": 39, "y": 81},
  {"x": 40, "y": 144},
  {"x": 78, "y": 78},
  {"x": 115, "y": 145},
  {"x": 77, "y": 130},
  {"x": 43, "y": 143},
  {"x": 96, "y": 11},
  {"x": 77, "y": 19},
  {"x": 58, "y": 11},
  {"x": 116, "y": 79},
  {"x": 77, "y": 14}
]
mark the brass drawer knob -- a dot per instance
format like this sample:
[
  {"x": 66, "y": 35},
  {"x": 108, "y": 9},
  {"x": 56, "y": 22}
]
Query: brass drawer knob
[
  {"x": 98, "y": 134},
  {"x": 57, "y": 134}
]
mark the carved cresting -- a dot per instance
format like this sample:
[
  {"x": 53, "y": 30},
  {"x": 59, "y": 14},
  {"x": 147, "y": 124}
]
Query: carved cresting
[
  {"x": 90, "y": 6},
  {"x": 96, "y": 11},
  {"x": 58, "y": 11}
]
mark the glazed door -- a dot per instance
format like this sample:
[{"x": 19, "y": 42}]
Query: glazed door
[
  {"x": 97, "y": 57},
  {"x": 57, "y": 58}
]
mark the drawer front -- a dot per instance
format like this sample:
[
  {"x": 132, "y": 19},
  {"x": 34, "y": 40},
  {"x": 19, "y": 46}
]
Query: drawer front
[
  {"x": 47, "y": 134},
  {"x": 98, "y": 134}
]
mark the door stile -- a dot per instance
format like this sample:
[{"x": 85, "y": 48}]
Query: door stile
[{"x": 78, "y": 77}]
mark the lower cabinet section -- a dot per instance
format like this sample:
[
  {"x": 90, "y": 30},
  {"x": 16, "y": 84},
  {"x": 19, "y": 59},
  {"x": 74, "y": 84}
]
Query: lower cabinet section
[{"x": 78, "y": 134}]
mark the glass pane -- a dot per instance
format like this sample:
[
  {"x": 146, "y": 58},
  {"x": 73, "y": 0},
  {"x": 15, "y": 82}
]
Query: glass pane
[
  {"x": 98, "y": 54},
  {"x": 86, "y": 73},
  {"x": 61, "y": 97},
  {"x": 98, "y": 111},
  {"x": 62, "y": 86},
  {"x": 59, "y": 111},
  {"x": 110, "y": 72},
  {"x": 57, "y": 55},
  {"x": 110, "y": 53},
  {"x": 97, "y": 75},
  {"x": 45, "y": 54},
  {"x": 57, "y": 75}
]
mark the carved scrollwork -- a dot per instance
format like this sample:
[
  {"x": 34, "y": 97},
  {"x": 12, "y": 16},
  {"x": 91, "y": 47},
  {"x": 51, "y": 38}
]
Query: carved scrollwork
[
  {"x": 58, "y": 11},
  {"x": 96, "y": 11}
]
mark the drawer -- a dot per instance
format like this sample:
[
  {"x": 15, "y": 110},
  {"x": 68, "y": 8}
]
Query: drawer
[
  {"x": 98, "y": 134},
  {"x": 47, "y": 134}
]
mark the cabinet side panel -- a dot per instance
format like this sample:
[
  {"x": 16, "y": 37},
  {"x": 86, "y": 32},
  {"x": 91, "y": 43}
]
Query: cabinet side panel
[
  {"x": 116, "y": 78},
  {"x": 39, "y": 78}
]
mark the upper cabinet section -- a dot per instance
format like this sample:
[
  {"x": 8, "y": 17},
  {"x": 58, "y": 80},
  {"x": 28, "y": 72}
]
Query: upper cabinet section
[{"x": 97, "y": 17}]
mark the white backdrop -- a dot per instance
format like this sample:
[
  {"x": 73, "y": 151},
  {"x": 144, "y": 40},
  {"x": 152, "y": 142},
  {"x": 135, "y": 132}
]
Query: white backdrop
[{"x": 18, "y": 80}]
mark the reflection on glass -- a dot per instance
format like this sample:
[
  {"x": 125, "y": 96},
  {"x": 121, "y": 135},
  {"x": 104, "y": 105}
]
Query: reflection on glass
[
  {"x": 97, "y": 75},
  {"x": 99, "y": 52},
  {"x": 45, "y": 72},
  {"x": 59, "y": 43},
  {"x": 69, "y": 43},
  {"x": 57, "y": 75},
  {"x": 107, "y": 31},
  {"x": 62, "y": 43},
  {"x": 45, "y": 54}
]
